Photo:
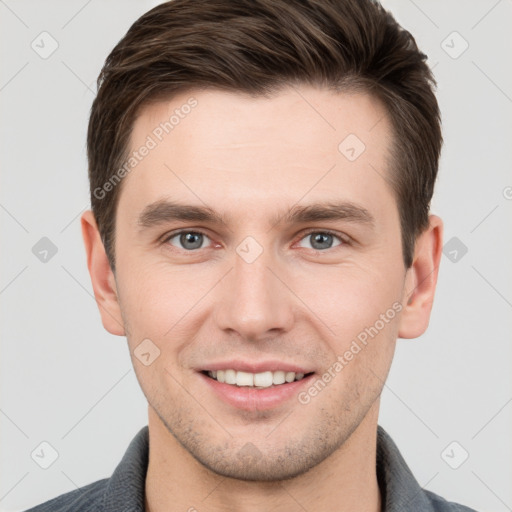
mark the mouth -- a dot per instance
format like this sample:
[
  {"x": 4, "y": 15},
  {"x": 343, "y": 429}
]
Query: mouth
[
  {"x": 261, "y": 380},
  {"x": 256, "y": 385}
]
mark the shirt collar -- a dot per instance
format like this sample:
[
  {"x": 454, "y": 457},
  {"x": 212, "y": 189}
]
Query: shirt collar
[
  {"x": 400, "y": 491},
  {"x": 126, "y": 488}
]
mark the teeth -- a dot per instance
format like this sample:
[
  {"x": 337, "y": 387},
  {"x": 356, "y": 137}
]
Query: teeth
[
  {"x": 230, "y": 377},
  {"x": 278, "y": 378},
  {"x": 244, "y": 378},
  {"x": 258, "y": 380},
  {"x": 263, "y": 380}
]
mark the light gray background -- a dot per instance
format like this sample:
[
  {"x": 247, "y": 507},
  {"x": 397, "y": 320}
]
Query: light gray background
[{"x": 66, "y": 381}]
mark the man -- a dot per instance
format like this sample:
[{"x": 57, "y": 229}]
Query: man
[{"x": 261, "y": 174}]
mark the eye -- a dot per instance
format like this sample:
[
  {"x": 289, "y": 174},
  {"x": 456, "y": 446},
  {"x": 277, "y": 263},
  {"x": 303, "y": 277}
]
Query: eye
[
  {"x": 193, "y": 240},
  {"x": 189, "y": 240},
  {"x": 321, "y": 240}
]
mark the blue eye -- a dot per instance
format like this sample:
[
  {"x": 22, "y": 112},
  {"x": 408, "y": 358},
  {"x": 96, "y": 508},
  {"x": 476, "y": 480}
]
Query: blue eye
[
  {"x": 321, "y": 240},
  {"x": 193, "y": 240},
  {"x": 189, "y": 240}
]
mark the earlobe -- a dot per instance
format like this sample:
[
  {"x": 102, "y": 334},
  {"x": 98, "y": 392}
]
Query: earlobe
[
  {"x": 102, "y": 277},
  {"x": 421, "y": 280}
]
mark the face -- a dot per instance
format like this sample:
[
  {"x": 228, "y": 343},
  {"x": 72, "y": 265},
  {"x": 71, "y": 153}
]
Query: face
[{"x": 299, "y": 256}]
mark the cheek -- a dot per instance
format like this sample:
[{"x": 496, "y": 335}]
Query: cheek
[
  {"x": 349, "y": 299},
  {"x": 361, "y": 342},
  {"x": 157, "y": 299}
]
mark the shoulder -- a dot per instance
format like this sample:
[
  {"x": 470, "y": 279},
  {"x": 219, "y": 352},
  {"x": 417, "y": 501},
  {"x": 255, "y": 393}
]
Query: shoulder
[
  {"x": 88, "y": 498},
  {"x": 398, "y": 485},
  {"x": 123, "y": 491},
  {"x": 439, "y": 504}
]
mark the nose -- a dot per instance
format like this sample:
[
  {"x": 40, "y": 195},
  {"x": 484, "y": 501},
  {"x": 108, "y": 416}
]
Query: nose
[{"x": 255, "y": 299}]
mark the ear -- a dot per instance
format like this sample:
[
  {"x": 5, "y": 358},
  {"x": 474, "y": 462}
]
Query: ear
[
  {"x": 421, "y": 280},
  {"x": 102, "y": 277}
]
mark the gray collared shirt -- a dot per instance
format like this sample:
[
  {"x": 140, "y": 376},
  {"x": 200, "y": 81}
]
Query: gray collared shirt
[{"x": 124, "y": 490}]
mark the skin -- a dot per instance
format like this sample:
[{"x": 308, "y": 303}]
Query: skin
[{"x": 251, "y": 159}]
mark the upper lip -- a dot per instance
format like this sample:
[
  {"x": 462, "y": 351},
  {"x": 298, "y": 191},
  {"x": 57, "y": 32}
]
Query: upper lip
[{"x": 256, "y": 367}]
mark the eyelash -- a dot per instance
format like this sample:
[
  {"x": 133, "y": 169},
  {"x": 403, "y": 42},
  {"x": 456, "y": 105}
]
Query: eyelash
[{"x": 343, "y": 239}]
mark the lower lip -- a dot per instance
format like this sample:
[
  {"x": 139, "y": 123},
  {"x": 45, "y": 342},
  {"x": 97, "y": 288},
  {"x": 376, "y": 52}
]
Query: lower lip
[{"x": 253, "y": 399}]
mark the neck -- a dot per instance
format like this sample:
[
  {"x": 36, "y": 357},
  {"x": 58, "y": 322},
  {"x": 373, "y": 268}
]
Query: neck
[{"x": 345, "y": 481}]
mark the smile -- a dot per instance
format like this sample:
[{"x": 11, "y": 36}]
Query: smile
[{"x": 260, "y": 380}]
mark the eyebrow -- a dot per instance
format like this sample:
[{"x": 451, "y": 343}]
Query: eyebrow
[
  {"x": 346, "y": 211},
  {"x": 164, "y": 211}
]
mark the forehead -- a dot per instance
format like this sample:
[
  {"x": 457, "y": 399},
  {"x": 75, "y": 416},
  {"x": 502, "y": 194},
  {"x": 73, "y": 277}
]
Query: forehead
[{"x": 231, "y": 150}]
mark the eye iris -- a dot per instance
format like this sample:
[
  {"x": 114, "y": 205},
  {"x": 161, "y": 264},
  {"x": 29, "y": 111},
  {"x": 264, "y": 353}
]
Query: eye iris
[
  {"x": 191, "y": 240},
  {"x": 196, "y": 239},
  {"x": 321, "y": 240}
]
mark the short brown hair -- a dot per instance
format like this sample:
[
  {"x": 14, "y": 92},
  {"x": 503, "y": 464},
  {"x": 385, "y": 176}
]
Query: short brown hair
[{"x": 257, "y": 47}]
